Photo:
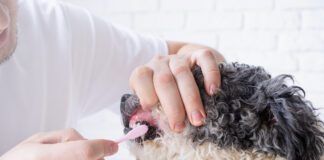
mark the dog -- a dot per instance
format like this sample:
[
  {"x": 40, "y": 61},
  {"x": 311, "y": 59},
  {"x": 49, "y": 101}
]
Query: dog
[{"x": 252, "y": 117}]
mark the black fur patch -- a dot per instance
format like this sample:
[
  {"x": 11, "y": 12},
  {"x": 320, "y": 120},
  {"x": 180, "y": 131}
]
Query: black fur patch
[{"x": 254, "y": 111}]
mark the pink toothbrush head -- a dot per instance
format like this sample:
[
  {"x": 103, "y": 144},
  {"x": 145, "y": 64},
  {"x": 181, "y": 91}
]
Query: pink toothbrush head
[{"x": 134, "y": 133}]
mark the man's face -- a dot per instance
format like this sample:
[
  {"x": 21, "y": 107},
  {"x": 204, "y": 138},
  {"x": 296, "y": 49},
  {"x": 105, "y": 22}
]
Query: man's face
[{"x": 8, "y": 28}]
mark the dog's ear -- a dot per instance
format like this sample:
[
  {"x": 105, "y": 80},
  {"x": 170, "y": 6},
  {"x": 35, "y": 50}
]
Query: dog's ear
[{"x": 289, "y": 126}]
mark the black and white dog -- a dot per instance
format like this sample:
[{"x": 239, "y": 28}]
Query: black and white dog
[{"x": 253, "y": 116}]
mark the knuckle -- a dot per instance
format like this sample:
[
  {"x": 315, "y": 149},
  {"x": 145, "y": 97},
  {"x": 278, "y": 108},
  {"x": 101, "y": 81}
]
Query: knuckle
[
  {"x": 86, "y": 151},
  {"x": 148, "y": 103},
  {"x": 146, "y": 106},
  {"x": 70, "y": 133},
  {"x": 212, "y": 75},
  {"x": 165, "y": 78},
  {"x": 215, "y": 72},
  {"x": 179, "y": 69},
  {"x": 176, "y": 113},
  {"x": 143, "y": 71},
  {"x": 206, "y": 54},
  {"x": 158, "y": 57},
  {"x": 192, "y": 100}
]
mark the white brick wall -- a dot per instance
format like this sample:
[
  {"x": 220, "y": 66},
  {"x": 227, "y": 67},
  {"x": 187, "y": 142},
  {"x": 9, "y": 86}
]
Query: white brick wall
[{"x": 284, "y": 36}]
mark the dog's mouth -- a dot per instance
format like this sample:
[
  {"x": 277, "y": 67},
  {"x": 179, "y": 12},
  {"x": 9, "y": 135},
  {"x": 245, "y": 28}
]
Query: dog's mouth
[{"x": 133, "y": 115}]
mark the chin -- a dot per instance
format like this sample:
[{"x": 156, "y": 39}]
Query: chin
[{"x": 254, "y": 116}]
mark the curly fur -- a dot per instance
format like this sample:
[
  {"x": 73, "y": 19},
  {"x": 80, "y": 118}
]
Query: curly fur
[{"x": 253, "y": 116}]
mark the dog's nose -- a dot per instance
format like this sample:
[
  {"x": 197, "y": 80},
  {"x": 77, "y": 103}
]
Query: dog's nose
[
  {"x": 129, "y": 104},
  {"x": 123, "y": 102}
]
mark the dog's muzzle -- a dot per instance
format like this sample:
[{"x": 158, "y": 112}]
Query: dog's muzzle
[{"x": 133, "y": 115}]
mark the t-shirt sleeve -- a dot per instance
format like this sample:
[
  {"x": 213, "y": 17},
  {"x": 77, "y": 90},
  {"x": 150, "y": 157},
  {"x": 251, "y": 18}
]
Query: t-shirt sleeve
[{"x": 103, "y": 56}]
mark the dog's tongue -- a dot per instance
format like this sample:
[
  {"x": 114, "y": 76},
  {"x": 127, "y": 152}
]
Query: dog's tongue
[{"x": 141, "y": 115}]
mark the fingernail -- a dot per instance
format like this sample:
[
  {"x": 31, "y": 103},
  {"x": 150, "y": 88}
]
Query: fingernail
[
  {"x": 179, "y": 127},
  {"x": 213, "y": 89},
  {"x": 196, "y": 117}
]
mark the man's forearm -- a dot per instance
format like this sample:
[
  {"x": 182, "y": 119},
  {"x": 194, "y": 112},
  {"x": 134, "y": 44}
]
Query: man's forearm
[{"x": 182, "y": 48}]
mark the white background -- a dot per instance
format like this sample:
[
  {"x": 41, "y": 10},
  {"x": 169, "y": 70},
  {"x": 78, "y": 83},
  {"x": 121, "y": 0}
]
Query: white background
[{"x": 283, "y": 36}]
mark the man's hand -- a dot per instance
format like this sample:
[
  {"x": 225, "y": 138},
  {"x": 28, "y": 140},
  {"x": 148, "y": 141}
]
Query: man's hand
[
  {"x": 66, "y": 144},
  {"x": 169, "y": 80}
]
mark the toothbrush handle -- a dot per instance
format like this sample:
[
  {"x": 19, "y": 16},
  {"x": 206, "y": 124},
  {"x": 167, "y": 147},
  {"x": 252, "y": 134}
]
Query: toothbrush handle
[{"x": 120, "y": 140}]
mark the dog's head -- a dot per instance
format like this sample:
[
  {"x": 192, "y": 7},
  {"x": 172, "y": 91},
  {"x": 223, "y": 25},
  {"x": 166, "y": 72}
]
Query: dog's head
[{"x": 252, "y": 116}]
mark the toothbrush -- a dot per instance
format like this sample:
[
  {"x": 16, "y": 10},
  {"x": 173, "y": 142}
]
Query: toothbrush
[{"x": 134, "y": 133}]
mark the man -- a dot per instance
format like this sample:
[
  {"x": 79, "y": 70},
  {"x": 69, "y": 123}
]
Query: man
[{"x": 60, "y": 63}]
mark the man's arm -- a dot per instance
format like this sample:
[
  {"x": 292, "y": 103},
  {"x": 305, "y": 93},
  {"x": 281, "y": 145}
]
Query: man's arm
[
  {"x": 179, "y": 47},
  {"x": 63, "y": 144}
]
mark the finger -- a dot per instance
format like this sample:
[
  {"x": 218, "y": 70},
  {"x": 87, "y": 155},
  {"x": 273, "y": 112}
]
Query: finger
[
  {"x": 56, "y": 136},
  {"x": 141, "y": 82},
  {"x": 168, "y": 94},
  {"x": 85, "y": 149},
  {"x": 188, "y": 90},
  {"x": 207, "y": 61},
  {"x": 101, "y": 148}
]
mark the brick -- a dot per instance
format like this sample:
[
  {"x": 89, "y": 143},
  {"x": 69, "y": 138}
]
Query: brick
[
  {"x": 272, "y": 20},
  {"x": 311, "y": 82},
  {"x": 247, "y": 41},
  {"x": 213, "y": 20},
  {"x": 317, "y": 100},
  {"x": 117, "y": 6},
  {"x": 311, "y": 62},
  {"x": 229, "y": 55},
  {"x": 187, "y": 5},
  {"x": 299, "y": 4},
  {"x": 245, "y": 4},
  {"x": 302, "y": 41},
  {"x": 313, "y": 19},
  {"x": 144, "y": 5},
  {"x": 209, "y": 39},
  {"x": 129, "y": 5},
  {"x": 159, "y": 21},
  {"x": 272, "y": 62}
]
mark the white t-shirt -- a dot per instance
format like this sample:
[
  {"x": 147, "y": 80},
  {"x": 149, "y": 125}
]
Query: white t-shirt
[{"x": 68, "y": 63}]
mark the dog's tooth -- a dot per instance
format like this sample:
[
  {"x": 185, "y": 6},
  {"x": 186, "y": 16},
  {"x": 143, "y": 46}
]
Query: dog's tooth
[{"x": 133, "y": 125}]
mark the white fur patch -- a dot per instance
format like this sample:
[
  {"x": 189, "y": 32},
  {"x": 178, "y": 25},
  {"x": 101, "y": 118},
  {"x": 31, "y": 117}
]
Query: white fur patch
[
  {"x": 176, "y": 147},
  {"x": 173, "y": 146}
]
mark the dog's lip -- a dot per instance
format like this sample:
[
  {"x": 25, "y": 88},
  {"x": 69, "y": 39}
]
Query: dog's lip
[
  {"x": 133, "y": 115},
  {"x": 137, "y": 114},
  {"x": 142, "y": 115}
]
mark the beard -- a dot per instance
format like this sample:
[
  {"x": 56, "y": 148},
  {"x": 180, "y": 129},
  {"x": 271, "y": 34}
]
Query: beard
[
  {"x": 9, "y": 48},
  {"x": 7, "y": 51}
]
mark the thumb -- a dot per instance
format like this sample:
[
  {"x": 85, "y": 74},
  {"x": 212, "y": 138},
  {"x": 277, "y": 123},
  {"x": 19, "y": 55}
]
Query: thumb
[
  {"x": 87, "y": 149},
  {"x": 102, "y": 147}
]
